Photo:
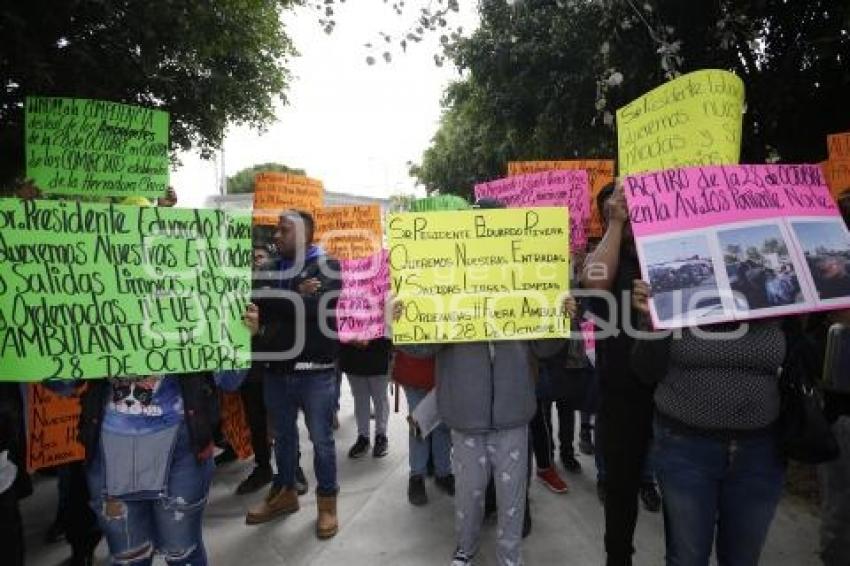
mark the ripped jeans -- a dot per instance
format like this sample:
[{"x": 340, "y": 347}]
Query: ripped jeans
[{"x": 168, "y": 524}]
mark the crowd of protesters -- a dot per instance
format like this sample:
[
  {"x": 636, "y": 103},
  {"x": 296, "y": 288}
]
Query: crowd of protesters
[{"x": 688, "y": 425}]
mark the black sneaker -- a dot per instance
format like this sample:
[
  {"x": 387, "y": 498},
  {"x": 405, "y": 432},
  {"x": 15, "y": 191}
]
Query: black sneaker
[
  {"x": 461, "y": 558},
  {"x": 585, "y": 441},
  {"x": 416, "y": 493},
  {"x": 259, "y": 477},
  {"x": 600, "y": 492},
  {"x": 570, "y": 463},
  {"x": 382, "y": 446},
  {"x": 301, "y": 485},
  {"x": 227, "y": 455},
  {"x": 360, "y": 448},
  {"x": 446, "y": 483},
  {"x": 650, "y": 497}
]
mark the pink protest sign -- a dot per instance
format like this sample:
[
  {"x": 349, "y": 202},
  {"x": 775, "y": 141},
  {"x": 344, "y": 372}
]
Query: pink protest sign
[
  {"x": 550, "y": 188},
  {"x": 738, "y": 242},
  {"x": 360, "y": 308}
]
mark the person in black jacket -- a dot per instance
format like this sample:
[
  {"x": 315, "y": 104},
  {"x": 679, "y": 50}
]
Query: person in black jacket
[
  {"x": 294, "y": 330},
  {"x": 367, "y": 364},
  {"x": 14, "y": 481}
]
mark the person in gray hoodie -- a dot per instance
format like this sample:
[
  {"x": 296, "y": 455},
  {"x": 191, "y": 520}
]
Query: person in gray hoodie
[{"x": 486, "y": 396}]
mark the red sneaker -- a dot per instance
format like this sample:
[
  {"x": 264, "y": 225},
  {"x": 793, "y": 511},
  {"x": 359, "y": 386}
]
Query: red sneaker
[{"x": 552, "y": 480}]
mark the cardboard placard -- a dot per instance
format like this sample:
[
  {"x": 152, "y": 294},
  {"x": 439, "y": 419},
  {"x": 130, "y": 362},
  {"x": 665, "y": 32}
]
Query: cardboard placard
[
  {"x": 360, "y": 309},
  {"x": 93, "y": 290},
  {"x": 692, "y": 120},
  {"x": 234, "y": 424},
  {"x": 275, "y": 192},
  {"x": 52, "y": 426},
  {"x": 465, "y": 276},
  {"x": 550, "y": 188},
  {"x": 738, "y": 242},
  {"x": 600, "y": 172},
  {"x": 349, "y": 232},
  {"x": 97, "y": 148}
]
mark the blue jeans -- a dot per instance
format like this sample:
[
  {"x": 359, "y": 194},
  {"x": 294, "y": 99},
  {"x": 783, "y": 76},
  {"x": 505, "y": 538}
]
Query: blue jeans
[
  {"x": 171, "y": 524},
  {"x": 314, "y": 392},
  {"x": 733, "y": 485},
  {"x": 438, "y": 444}
]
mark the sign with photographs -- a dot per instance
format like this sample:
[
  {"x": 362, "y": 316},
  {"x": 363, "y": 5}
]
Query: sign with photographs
[{"x": 738, "y": 242}]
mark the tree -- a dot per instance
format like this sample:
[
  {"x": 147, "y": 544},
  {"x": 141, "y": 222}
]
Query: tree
[
  {"x": 243, "y": 181},
  {"x": 207, "y": 63},
  {"x": 543, "y": 78}
]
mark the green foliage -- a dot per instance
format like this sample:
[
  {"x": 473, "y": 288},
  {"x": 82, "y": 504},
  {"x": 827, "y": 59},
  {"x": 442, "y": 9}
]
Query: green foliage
[
  {"x": 243, "y": 181},
  {"x": 208, "y": 63},
  {"x": 543, "y": 78}
]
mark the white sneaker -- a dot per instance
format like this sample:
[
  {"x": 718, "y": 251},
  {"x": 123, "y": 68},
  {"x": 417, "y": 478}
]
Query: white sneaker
[{"x": 461, "y": 558}]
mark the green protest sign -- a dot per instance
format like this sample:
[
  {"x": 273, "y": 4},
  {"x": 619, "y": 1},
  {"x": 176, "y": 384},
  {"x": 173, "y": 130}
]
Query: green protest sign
[
  {"x": 96, "y": 148},
  {"x": 95, "y": 290}
]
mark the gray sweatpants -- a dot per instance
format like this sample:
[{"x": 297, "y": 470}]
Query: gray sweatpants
[
  {"x": 835, "y": 497},
  {"x": 364, "y": 388},
  {"x": 504, "y": 454}
]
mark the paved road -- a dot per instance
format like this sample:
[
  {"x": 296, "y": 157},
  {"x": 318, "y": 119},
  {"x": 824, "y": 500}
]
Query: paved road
[{"x": 379, "y": 527}]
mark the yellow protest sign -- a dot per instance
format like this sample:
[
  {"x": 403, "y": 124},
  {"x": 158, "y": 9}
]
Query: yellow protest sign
[
  {"x": 472, "y": 275},
  {"x": 275, "y": 192},
  {"x": 600, "y": 172},
  {"x": 349, "y": 232},
  {"x": 693, "y": 120}
]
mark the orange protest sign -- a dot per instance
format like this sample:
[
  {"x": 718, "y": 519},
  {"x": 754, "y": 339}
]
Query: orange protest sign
[
  {"x": 349, "y": 232},
  {"x": 838, "y": 146},
  {"x": 52, "y": 424},
  {"x": 837, "y": 175},
  {"x": 276, "y": 192},
  {"x": 234, "y": 425},
  {"x": 600, "y": 172}
]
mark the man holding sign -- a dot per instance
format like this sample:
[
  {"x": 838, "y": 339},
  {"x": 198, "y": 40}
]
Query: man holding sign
[{"x": 485, "y": 393}]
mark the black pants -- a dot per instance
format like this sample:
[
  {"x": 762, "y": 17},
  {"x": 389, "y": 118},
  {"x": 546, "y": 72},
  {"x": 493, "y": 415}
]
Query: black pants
[
  {"x": 255, "y": 411},
  {"x": 12, "y": 529},
  {"x": 624, "y": 431},
  {"x": 542, "y": 441},
  {"x": 81, "y": 529}
]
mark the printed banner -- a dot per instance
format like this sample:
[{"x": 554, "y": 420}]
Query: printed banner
[
  {"x": 692, "y": 120},
  {"x": 550, "y": 188},
  {"x": 52, "y": 425},
  {"x": 349, "y": 232},
  {"x": 600, "y": 172},
  {"x": 96, "y": 148},
  {"x": 360, "y": 308},
  {"x": 234, "y": 424},
  {"x": 466, "y": 276},
  {"x": 275, "y": 192},
  {"x": 93, "y": 290},
  {"x": 738, "y": 242},
  {"x": 439, "y": 202}
]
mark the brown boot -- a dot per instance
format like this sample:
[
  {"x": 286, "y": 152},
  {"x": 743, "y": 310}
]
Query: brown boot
[
  {"x": 284, "y": 502},
  {"x": 326, "y": 525}
]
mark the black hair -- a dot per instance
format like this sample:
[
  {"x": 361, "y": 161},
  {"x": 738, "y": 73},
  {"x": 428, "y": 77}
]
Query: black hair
[
  {"x": 602, "y": 197},
  {"x": 488, "y": 202},
  {"x": 306, "y": 218}
]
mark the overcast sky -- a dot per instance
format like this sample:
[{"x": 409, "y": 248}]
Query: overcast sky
[{"x": 352, "y": 125}]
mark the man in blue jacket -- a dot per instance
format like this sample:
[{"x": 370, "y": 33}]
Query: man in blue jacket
[{"x": 294, "y": 330}]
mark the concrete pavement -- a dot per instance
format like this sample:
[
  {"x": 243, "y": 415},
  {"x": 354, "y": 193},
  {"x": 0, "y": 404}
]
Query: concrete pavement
[{"x": 379, "y": 527}]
